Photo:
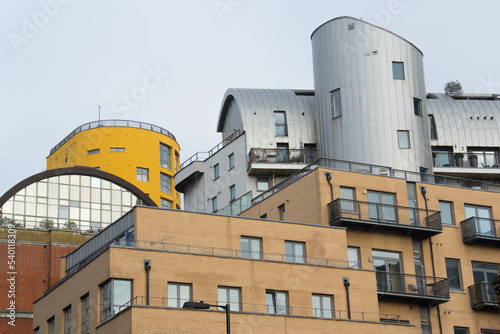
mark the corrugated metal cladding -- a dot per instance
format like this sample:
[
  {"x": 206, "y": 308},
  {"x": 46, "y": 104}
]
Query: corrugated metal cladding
[
  {"x": 252, "y": 110},
  {"x": 462, "y": 123},
  {"x": 357, "y": 58}
]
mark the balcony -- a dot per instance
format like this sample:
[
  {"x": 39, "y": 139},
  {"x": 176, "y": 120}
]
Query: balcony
[
  {"x": 467, "y": 164},
  {"x": 383, "y": 217},
  {"x": 416, "y": 288},
  {"x": 280, "y": 162},
  {"x": 483, "y": 296},
  {"x": 481, "y": 230}
]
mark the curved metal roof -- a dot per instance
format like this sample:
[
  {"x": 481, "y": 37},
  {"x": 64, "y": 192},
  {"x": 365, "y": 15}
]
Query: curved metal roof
[
  {"x": 465, "y": 120},
  {"x": 80, "y": 170},
  {"x": 250, "y": 100}
]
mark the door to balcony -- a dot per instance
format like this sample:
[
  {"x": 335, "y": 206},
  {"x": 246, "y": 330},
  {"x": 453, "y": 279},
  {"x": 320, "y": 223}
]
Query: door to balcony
[
  {"x": 484, "y": 223},
  {"x": 382, "y": 207},
  {"x": 389, "y": 269}
]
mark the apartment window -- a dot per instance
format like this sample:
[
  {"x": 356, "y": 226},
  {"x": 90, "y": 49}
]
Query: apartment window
[
  {"x": 216, "y": 171},
  {"x": 461, "y": 330},
  {"x": 443, "y": 157},
  {"x": 178, "y": 294},
  {"x": 251, "y": 248},
  {"x": 280, "y": 123},
  {"x": 166, "y": 204},
  {"x": 347, "y": 199},
  {"x": 176, "y": 157},
  {"x": 417, "y": 106},
  {"x": 117, "y": 149},
  {"x": 484, "y": 272},
  {"x": 322, "y": 306},
  {"x": 67, "y": 320},
  {"x": 446, "y": 209},
  {"x": 142, "y": 174},
  {"x": 164, "y": 155},
  {"x": 165, "y": 183},
  {"x": 262, "y": 184},
  {"x": 389, "y": 267},
  {"x": 231, "y": 296},
  {"x": 403, "y": 139},
  {"x": 336, "y": 105},
  {"x": 283, "y": 153},
  {"x": 231, "y": 161},
  {"x": 85, "y": 313},
  {"x": 232, "y": 192},
  {"x": 277, "y": 302},
  {"x": 484, "y": 225},
  {"x": 453, "y": 274},
  {"x": 214, "y": 204},
  {"x": 382, "y": 207},
  {"x": 295, "y": 251},
  {"x": 89, "y": 152},
  {"x": 432, "y": 127},
  {"x": 37, "y": 330},
  {"x": 281, "y": 210},
  {"x": 398, "y": 70},
  {"x": 115, "y": 295},
  {"x": 51, "y": 325},
  {"x": 353, "y": 257}
]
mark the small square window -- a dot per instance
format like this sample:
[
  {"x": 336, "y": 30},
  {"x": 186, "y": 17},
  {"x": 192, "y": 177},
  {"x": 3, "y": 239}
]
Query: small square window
[
  {"x": 398, "y": 70},
  {"x": 417, "y": 106},
  {"x": 216, "y": 171},
  {"x": 461, "y": 330},
  {"x": 178, "y": 294},
  {"x": 231, "y": 161},
  {"x": 251, "y": 248},
  {"x": 403, "y": 139},
  {"x": 142, "y": 174},
  {"x": 336, "y": 105},
  {"x": 262, "y": 184},
  {"x": 231, "y": 296},
  {"x": 166, "y": 204},
  {"x": 277, "y": 302},
  {"x": 322, "y": 305},
  {"x": 295, "y": 251}
]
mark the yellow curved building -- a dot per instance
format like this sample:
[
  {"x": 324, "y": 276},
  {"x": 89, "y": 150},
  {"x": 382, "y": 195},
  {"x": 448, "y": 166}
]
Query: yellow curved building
[{"x": 144, "y": 154}]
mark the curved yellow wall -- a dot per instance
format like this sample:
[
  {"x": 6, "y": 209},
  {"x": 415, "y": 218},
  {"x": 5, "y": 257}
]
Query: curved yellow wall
[{"x": 142, "y": 149}]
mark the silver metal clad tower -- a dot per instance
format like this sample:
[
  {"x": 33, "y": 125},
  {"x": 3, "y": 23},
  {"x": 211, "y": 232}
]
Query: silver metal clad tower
[{"x": 370, "y": 96}]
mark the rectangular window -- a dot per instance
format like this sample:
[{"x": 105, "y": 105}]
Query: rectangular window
[
  {"x": 67, "y": 320},
  {"x": 231, "y": 161},
  {"x": 322, "y": 306},
  {"x": 176, "y": 162},
  {"x": 403, "y": 139},
  {"x": 417, "y": 106},
  {"x": 262, "y": 184},
  {"x": 85, "y": 313},
  {"x": 37, "y": 330},
  {"x": 484, "y": 225},
  {"x": 389, "y": 268},
  {"x": 446, "y": 209},
  {"x": 353, "y": 257},
  {"x": 484, "y": 272},
  {"x": 165, "y": 183},
  {"x": 115, "y": 296},
  {"x": 347, "y": 199},
  {"x": 251, "y": 248},
  {"x": 382, "y": 206},
  {"x": 166, "y": 204},
  {"x": 214, "y": 204},
  {"x": 164, "y": 156},
  {"x": 231, "y": 296},
  {"x": 216, "y": 171},
  {"x": 336, "y": 105},
  {"x": 280, "y": 123},
  {"x": 295, "y": 251},
  {"x": 178, "y": 294},
  {"x": 283, "y": 153},
  {"x": 51, "y": 325},
  {"x": 432, "y": 127},
  {"x": 398, "y": 71},
  {"x": 453, "y": 274},
  {"x": 281, "y": 210},
  {"x": 232, "y": 192},
  {"x": 97, "y": 150},
  {"x": 277, "y": 302},
  {"x": 461, "y": 330},
  {"x": 117, "y": 149},
  {"x": 142, "y": 174}
]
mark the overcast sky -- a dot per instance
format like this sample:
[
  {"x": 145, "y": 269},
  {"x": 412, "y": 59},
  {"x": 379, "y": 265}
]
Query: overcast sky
[{"x": 60, "y": 59}]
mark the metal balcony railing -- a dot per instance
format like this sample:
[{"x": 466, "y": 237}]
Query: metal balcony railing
[
  {"x": 282, "y": 156},
  {"x": 480, "y": 229},
  {"x": 344, "y": 212},
  {"x": 423, "y": 287},
  {"x": 482, "y": 295},
  {"x": 466, "y": 159}
]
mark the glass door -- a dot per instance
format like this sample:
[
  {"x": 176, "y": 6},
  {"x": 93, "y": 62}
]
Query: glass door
[
  {"x": 483, "y": 219},
  {"x": 389, "y": 270},
  {"x": 382, "y": 207}
]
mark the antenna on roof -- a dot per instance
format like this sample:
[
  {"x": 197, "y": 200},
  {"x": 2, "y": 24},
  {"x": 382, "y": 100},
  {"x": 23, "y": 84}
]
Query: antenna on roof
[{"x": 99, "y": 117}]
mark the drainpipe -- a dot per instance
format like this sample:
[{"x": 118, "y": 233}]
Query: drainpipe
[
  {"x": 147, "y": 267},
  {"x": 346, "y": 285},
  {"x": 328, "y": 176},
  {"x": 423, "y": 190}
]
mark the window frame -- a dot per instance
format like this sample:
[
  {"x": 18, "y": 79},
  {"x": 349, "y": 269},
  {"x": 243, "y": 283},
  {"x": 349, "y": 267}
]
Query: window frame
[
  {"x": 357, "y": 265},
  {"x": 216, "y": 171},
  {"x": 260, "y": 180},
  {"x": 214, "y": 204},
  {"x": 417, "y": 107},
  {"x": 274, "y": 308},
  {"x": 165, "y": 156},
  {"x": 51, "y": 324},
  {"x": 461, "y": 330},
  {"x": 67, "y": 320},
  {"x": 84, "y": 300},
  {"x": 251, "y": 253},
  {"x": 453, "y": 287},
  {"x": 232, "y": 193},
  {"x": 484, "y": 271},
  {"x": 107, "y": 292},
  {"x": 142, "y": 173},
  {"x": 165, "y": 183},
  {"x": 398, "y": 73},
  {"x": 117, "y": 149},
  {"x": 347, "y": 204},
  {"x": 93, "y": 151},
  {"x": 163, "y": 201},
  {"x": 336, "y": 108},
  {"x": 321, "y": 297},
  {"x": 432, "y": 127},
  {"x": 282, "y": 126},
  {"x": 231, "y": 161},
  {"x": 178, "y": 299},
  {"x": 407, "y": 137},
  {"x": 292, "y": 256},
  {"x": 451, "y": 212},
  {"x": 282, "y": 211},
  {"x": 235, "y": 306}
]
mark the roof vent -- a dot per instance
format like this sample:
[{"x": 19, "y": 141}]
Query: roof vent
[
  {"x": 374, "y": 52},
  {"x": 350, "y": 26}
]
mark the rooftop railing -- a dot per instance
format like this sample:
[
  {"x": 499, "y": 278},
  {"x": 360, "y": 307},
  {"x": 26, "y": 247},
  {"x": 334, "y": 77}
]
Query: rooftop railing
[
  {"x": 476, "y": 228},
  {"x": 412, "y": 285},
  {"x": 482, "y": 295},
  {"x": 113, "y": 123},
  {"x": 288, "y": 310}
]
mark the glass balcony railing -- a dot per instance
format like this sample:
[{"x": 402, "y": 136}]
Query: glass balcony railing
[
  {"x": 466, "y": 160},
  {"x": 282, "y": 156},
  {"x": 477, "y": 229},
  {"x": 482, "y": 295}
]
